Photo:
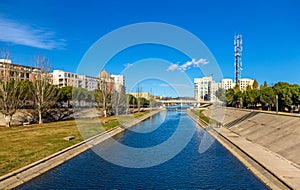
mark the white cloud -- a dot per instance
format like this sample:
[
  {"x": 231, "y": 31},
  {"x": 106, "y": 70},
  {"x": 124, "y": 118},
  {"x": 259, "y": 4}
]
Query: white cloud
[
  {"x": 173, "y": 67},
  {"x": 17, "y": 33},
  {"x": 187, "y": 65},
  {"x": 127, "y": 65}
]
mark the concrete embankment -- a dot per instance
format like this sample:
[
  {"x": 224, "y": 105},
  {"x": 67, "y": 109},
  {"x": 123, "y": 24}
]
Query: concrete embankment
[
  {"x": 35, "y": 169},
  {"x": 250, "y": 136}
]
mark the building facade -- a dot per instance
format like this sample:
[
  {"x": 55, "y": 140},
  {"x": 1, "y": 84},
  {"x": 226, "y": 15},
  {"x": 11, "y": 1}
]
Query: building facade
[
  {"x": 15, "y": 71},
  {"x": 245, "y": 82},
  {"x": 119, "y": 81},
  {"x": 63, "y": 78},
  {"x": 205, "y": 87},
  {"x": 227, "y": 84}
]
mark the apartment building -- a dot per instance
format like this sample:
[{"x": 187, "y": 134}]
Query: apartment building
[
  {"x": 245, "y": 82},
  {"x": 63, "y": 78},
  {"x": 13, "y": 71},
  {"x": 205, "y": 87},
  {"x": 227, "y": 84},
  {"x": 119, "y": 81}
]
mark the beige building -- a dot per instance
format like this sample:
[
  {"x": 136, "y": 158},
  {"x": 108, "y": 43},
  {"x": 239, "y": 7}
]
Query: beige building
[
  {"x": 227, "y": 84},
  {"x": 145, "y": 95},
  {"x": 244, "y": 82}
]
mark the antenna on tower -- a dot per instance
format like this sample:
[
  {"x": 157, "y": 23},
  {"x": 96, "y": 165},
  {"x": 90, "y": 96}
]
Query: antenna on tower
[{"x": 238, "y": 48}]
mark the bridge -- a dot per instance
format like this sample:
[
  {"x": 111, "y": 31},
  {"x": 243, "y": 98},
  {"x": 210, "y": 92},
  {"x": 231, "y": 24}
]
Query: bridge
[{"x": 181, "y": 102}]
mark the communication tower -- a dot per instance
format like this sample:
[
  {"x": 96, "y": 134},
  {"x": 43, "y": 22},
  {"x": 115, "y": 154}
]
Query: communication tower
[{"x": 238, "y": 48}]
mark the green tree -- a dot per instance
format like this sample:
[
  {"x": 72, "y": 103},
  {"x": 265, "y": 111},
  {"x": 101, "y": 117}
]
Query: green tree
[
  {"x": 221, "y": 94},
  {"x": 284, "y": 92},
  {"x": 66, "y": 94},
  {"x": 251, "y": 97},
  {"x": 268, "y": 97},
  {"x": 234, "y": 96},
  {"x": 131, "y": 100},
  {"x": 265, "y": 85},
  {"x": 255, "y": 84}
]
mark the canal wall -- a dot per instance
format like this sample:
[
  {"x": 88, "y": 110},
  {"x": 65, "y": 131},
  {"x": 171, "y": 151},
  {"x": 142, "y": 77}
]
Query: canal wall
[
  {"x": 22, "y": 175},
  {"x": 267, "y": 143}
]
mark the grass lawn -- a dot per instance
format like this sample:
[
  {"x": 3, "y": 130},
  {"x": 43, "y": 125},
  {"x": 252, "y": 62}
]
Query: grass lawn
[
  {"x": 23, "y": 145},
  {"x": 204, "y": 117},
  {"x": 201, "y": 115}
]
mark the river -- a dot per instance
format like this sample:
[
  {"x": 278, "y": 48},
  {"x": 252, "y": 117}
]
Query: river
[{"x": 215, "y": 168}]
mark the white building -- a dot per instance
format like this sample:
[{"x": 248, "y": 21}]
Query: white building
[
  {"x": 227, "y": 84},
  {"x": 119, "y": 81},
  {"x": 204, "y": 88},
  {"x": 89, "y": 83},
  {"x": 244, "y": 82},
  {"x": 62, "y": 78}
]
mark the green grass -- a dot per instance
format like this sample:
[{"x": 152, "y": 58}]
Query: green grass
[
  {"x": 201, "y": 115},
  {"x": 21, "y": 145},
  {"x": 205, "y": 118}
]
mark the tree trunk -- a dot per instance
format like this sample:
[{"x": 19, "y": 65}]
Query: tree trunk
[
  {"x": 117, "y": 111},
  {"x": 7, "y": 120},
  {"x": 40, "y": 117},
  {"x": 105, "y": 113}
]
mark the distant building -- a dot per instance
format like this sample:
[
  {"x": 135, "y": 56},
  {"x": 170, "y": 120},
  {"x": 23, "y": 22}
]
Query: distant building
[
  {"x": 63, "y": 78},
  {"x": 204, "y": 88},
  {"x": 244, "y": 82},
  {"x": 105, "y": 82},
  {"x": 13, "y": 71},
  {"x": 227, "y": 84},
  {"x": 119, "y": 83},
  {"x": 145, "y": 95},
  {"x": 87, "y": 82}
]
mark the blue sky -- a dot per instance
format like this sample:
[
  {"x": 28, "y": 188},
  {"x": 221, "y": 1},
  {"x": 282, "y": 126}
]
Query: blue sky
[{"x": 65, "y": 30}]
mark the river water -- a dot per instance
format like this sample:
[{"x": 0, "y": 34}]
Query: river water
[{"x": 210, "y": 168}]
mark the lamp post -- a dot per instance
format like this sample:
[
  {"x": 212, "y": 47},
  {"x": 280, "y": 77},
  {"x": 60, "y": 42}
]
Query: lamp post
[
  {"x": 276, "y": 103},
  {"x": 241, "y": 103}
]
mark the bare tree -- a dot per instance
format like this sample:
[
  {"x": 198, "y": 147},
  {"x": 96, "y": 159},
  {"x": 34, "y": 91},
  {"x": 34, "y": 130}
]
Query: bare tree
[
  {"x": 45, "y": 95},
  {"x": 119, "y": 102},
  {"x": 12, "y": 94},
  {"x": 139, "y": 89},
  {"x": 103, "y": 97}
]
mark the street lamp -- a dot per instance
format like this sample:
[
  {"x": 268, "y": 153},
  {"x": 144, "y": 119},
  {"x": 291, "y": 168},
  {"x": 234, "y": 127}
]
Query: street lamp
[{"x": 276, "y": 103}]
